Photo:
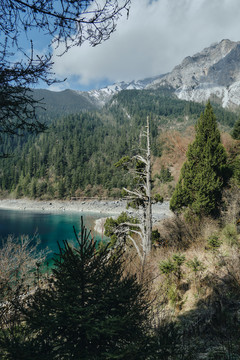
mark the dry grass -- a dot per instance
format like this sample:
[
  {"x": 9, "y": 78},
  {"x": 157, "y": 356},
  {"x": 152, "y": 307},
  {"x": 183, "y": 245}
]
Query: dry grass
[
  {"x": 219, "y": 273},
  {"x": 218, "y": 280},
  {"x": 231, "y": 211}
]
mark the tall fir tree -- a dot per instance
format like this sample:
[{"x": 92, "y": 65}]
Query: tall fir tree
[
  {"x": 88, "y": 309},
  {"x": 236, "y": 130},
  {"x": 205, "y": 172}
]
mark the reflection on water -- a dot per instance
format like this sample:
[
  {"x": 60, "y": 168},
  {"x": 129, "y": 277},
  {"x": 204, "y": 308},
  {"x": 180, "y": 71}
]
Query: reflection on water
[{"x": 49, "y": 227}]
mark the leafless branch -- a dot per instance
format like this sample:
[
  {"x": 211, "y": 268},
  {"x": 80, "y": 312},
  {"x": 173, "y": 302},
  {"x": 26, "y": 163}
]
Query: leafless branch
[
  {"x": 136, "y": 247},
  {"x": 68, "y": 22}
]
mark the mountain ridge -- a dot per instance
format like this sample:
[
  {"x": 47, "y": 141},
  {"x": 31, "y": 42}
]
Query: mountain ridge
[{"x": 213, "y": 73}]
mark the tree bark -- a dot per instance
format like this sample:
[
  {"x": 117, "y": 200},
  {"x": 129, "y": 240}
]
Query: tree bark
[{"x": 148, "y": 194}]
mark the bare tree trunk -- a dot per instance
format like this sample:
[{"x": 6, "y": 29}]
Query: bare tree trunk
[
  {"x": 142, "y": 195},
  {"x": 148, "y": 193},
  {"x": 147, "y": 209}
]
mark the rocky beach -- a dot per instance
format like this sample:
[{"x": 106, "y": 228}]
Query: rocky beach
[{"x": 105, "y": 207}]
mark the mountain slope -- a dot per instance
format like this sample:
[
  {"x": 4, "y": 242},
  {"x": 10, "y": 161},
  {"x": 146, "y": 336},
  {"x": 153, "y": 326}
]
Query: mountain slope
[
  {"x": 214, "y": 72},
  {"x": 62, "y": 103},
  {"x": 66, "y": 102},
  {"x": 102, "y": 96}
]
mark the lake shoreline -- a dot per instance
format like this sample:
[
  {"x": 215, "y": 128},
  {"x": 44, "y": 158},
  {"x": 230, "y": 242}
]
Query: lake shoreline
[
  {"x": 59, "y": 206},
  {"x": 104, "y": 207},
  {"x": 96, "y": 206}
]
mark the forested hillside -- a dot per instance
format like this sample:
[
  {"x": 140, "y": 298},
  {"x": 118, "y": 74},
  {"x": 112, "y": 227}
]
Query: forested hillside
[
  {"x": 61, "y": 103},
  {"x": 166, "y": 108},
  {"x": 76, "y": 155}
]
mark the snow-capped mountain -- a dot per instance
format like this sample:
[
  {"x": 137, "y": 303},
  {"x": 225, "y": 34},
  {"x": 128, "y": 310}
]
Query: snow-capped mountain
[
  {"x": 214, "y": 72},
  {"x": 71, "y": 101},
  {"x": 102, "y": 96}
]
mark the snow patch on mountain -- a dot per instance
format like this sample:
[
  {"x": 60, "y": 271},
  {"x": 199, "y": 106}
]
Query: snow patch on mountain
[
  {"x": 215, "y": 71},
  {"x": 102, "y": 96},
  {"x": 202, "y": 93}
]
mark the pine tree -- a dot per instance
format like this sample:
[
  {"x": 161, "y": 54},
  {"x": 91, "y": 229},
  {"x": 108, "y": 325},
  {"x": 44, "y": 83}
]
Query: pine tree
[
  {"x": 205, "y": 172},
  {"x": 88, "y": 309},
  {"x": 236, "y": 170},
  {"x": 236, "y": 130}
]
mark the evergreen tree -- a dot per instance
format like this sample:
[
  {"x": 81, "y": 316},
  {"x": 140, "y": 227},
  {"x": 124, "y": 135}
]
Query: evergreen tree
[
  {"x": 236, "y": 170},
  {"x": 205, "y": 172},
  {"x": 88, "y": 310},
  {"x": 236, "y": 130}
]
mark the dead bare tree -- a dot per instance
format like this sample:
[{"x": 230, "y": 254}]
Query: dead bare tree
[{"x": 140, "y": 197}]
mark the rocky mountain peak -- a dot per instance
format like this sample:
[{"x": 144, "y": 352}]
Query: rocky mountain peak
[
  {"x": 212, "y": 72},
  {"x": 215, "y": 71}
]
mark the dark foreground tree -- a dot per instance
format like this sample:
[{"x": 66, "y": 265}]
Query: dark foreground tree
[
  {"x": 66, "y": 23},
  {"x": 205, "y": 172},
  {"x": 89, "y": 309}
]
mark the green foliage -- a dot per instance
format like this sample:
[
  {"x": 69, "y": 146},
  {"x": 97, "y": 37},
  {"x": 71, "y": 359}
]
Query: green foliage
[
  {"x": 172, "y": 341},
  {"x": 236, "y": 170},
  {"x": 163, "y": 104},
  {"x": 77, "y": 154},
  {"x": 62, "y": 103},
  {"x": 156, "y": 237},
  {"x": 112, "y": 224},
  {"x": 178, "y": 262},
  {"x": 230, "y": 235},
  {"x": 236, "y": 130},
  {"x": 195, "y": 265},
  {"x": 164, "y": 176},
  {"x": 173, "y": 265},
  {"x": 122, "y": 162},
  {"x": 87, "y": 310},
  {"x": 158, "y": 198},
  {"x": 205, "y": 172},
  {"x": 172, "y": 269},
  {"x": 214, "y": 242},
  {"x": 134, "y": 204},
  {"x": 223, "y": 353},
  {"x": 166, "y": 267}
]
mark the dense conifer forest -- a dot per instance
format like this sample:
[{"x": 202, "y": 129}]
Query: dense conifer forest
[{"x": 76, "y": 155}]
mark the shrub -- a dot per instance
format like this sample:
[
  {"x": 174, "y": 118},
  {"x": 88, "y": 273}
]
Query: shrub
[
  {"x": 230, "y": 234},
  {"x": 213, "y": 242}
]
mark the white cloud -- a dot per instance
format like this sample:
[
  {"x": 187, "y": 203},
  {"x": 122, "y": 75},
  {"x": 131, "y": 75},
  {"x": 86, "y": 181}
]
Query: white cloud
[{"x": 155, "y": 38}]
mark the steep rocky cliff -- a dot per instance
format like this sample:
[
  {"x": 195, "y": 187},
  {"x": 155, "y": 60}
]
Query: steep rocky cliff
[{"x": 214, "y": 72}]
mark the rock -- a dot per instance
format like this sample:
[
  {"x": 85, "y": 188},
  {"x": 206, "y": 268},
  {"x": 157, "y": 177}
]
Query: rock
[{"x": 213, "y": 71}]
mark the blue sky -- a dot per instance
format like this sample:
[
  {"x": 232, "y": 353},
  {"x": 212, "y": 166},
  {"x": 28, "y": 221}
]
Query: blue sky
[{"x": 157, "y": 36}]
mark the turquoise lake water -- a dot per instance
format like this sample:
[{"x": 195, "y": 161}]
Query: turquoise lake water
[{"x": 50, "y": 227}]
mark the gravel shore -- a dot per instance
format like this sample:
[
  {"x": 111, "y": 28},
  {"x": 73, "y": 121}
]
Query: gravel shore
[
  {"x": 52, "y": 206},
  {"x": 105, "y": 207}
]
